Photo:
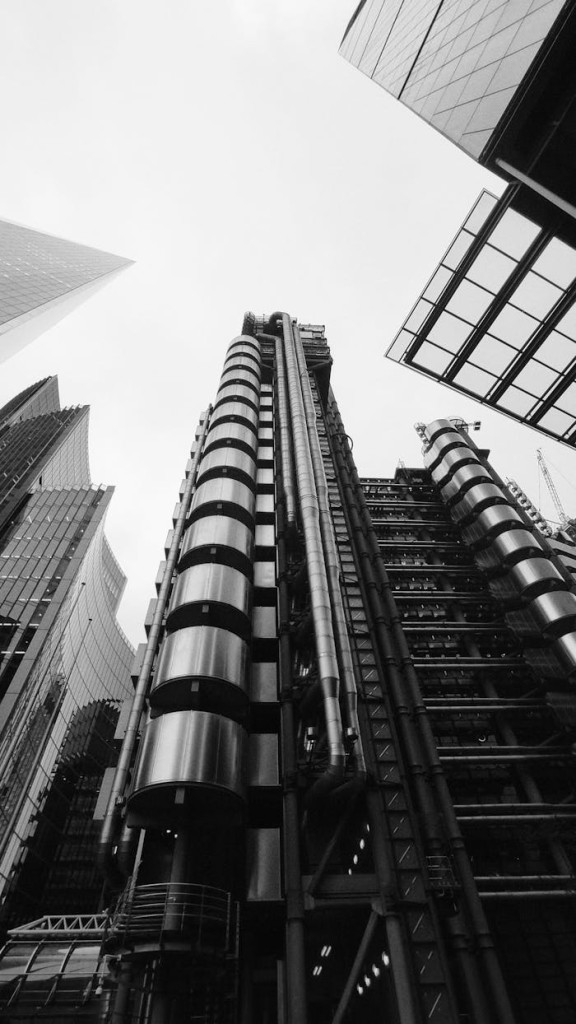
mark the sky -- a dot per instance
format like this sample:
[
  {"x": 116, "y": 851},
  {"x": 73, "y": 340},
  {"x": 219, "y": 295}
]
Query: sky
[{"x": 229, "y": 151}]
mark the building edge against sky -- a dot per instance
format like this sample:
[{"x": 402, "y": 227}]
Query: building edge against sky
[
  {"x": 361, "y": 725},
  {"x": 42, "y": 279},
  {"x": 65, "y": 664}
]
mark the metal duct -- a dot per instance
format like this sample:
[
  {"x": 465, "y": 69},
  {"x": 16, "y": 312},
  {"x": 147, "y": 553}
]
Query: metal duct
[
  {"x": 285, "y": 436},
  {"x": 347, "y": 675},
  {"x": 111, "y": 819},
  {"x": 317, "y": 576}
]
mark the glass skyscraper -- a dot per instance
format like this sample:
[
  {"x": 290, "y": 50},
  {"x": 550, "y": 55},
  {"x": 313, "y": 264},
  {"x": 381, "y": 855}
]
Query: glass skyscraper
[
  {"x": 494, "y": 76},
  {"x": 64, "y": 663},
  {"x": 42, "y": 278}
]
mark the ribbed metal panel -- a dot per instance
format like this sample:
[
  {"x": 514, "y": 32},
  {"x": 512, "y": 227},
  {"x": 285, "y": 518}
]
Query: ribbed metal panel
[
  {"x": 451, "y": 461},
  {"x": 188, "y": 761},
  {"x": 439, "y": 449},
  {"x": 226, "y": 459},
  {"x": 236, "y": 412},
  {"x": 240, "y": 393},
  {"x": 550, "y": 615},
  {"x": 213, "y": 659},
  {"x": 490, "y": 522},
  {"x": 208, "y": 583},
  {"x": 224, "y": 489},
  {"x": 463, "y": 479},
  {"x": 508, "y": 548},
  {"x": 217, "y": 531},
  {"x": 475, "y": 500},
  {"x": 225, "y": 434}
]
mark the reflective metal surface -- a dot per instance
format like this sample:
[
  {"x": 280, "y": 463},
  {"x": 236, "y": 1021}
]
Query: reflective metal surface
[
  {"x": 508, "y": 548},
  {"x": 462, "y": 480},
  {"x": 207, "y": 583},
  {"x": 554, "y": 613},
  {"x": 240, "y": 375},
  {"x": 264, "y": 682},
  {"x": 533, "y": 574},
  {"x": 438, "y": 427},
  {"x": 224, "y": 489},
  {"x": 263, "y": 759},
  {"x": 441, "y": 446},
  {"x": 475, "y": 500},
  {"x": 451, "y": 461},
  {"x": 187, "y": 759},
  {"x": 238, "y": 393},
  {"x": 263, "y": 864},
  {"x": 490, "y": 521},
  {"x": 240, "y": 359},
  {"x": 226, "y": 433},
  {"x": 225, "y": 459},
  {"x": 565, "y": 648},
  {"x": 235, "y": 411},
  {"x": 214, "y": 658},
  {"x": 217, "y": 531}
]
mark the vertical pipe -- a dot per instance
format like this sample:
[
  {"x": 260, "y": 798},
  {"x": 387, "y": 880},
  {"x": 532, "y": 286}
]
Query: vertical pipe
[{"x": 349, "y": 689}]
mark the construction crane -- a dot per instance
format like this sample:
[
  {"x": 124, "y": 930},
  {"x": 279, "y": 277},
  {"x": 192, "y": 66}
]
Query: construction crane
[{"x": 566, "y": 524}]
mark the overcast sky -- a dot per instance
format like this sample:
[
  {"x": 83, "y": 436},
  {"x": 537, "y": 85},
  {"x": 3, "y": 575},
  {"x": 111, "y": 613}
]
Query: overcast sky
[{"x": 229, "y": 150}]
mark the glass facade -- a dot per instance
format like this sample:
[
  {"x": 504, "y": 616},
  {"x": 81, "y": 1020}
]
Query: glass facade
[
  {"x": 64, "y": 662},
  {"x": 38, "y": 274},
  {"x": 497, "y": 319},
  {"x": 456, "y": 63}
]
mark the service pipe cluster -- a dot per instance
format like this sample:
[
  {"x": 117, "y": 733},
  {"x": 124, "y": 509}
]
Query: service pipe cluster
[
  {"x": 540, "y": 598},
  {"x": 331, "y": 637}
]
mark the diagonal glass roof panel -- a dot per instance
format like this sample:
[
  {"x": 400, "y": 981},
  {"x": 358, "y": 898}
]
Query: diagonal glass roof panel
[{"x": 497, "y": 319}]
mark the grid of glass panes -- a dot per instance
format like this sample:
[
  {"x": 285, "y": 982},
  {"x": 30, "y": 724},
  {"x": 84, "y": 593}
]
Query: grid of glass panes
[
  {"x": 542, "y": 286},
  {"x": 456, "y": 63}
]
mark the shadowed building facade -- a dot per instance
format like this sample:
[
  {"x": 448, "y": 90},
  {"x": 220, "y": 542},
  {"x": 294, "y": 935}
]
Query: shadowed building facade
[
  {"x": 346, "y": 785},
  {"x": 42, "y": 278},
  {"x": 64, "y": 663}
]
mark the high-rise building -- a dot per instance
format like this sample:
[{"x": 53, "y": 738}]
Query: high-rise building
[
  {"x": 346, "y": 790},
  {"x": 64, "y": 663},
  {"x": 42, "y": 278},
  {"x": 497, "y": 320},
  {"x": 496, "y": 78}
]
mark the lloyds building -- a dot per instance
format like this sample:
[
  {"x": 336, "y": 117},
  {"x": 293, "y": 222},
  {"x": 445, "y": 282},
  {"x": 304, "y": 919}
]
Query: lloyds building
[{"x": 345, "y": 790}]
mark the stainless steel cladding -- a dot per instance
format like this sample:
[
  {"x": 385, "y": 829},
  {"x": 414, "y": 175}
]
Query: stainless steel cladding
[
  {"x": 565, "y": 649},
  {"x": 550, "y": 616},
  {"x": 188, "y": 761},
  {"x": 476, "y": 499},
  {"x": 216, "y": 531},
  {"x": 243, "y": 361},
  {"x": 206, "y": 584},
  {"x": 508, "y": 548},
  {"x": 215, "y": 660},
  {"x": 491, "y": 522},
  {"x": 226, "y": 460},
  {"x": 236, "y": 393},
  {"x": 230, "y": 434},
  {"x": 438, "y": 427},
  {"x": 451, "y": 461},
  {"x": 463, "y": 479},
  {"x": 526, "y": 579},
  {"x": 434, "y": 453},
  {"x": 236, "y": 412},
  {"x": 224, "y": 489},
  {"x": 240, "y": 375}
]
